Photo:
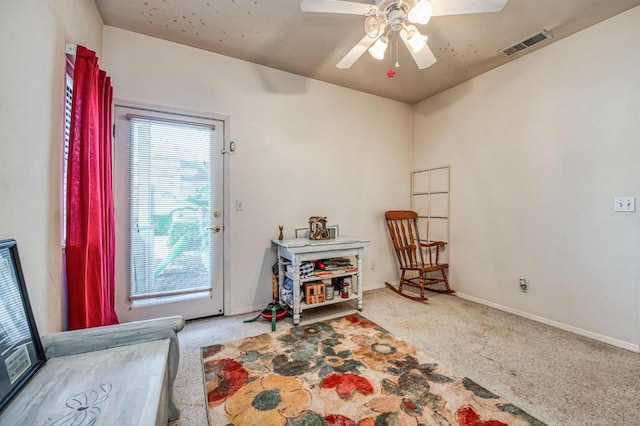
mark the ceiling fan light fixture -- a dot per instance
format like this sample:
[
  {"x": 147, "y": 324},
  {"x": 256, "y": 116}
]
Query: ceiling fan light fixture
[
  {"x": 374, "y": 25},
  {"x": 420, "y": 13},
  {"x": 379, "y": 47},
  {"x": 413, "y": 38}
]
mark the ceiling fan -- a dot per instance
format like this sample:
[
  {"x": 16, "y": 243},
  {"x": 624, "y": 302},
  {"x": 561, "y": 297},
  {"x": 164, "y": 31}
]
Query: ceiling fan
[{"x": 398, "y": 17}]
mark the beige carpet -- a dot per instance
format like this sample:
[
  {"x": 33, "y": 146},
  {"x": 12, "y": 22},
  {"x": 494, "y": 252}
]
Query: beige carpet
[{"x": 556, "y": 376}]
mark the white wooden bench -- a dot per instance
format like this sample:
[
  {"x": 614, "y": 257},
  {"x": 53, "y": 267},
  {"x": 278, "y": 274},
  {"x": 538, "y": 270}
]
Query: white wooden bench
[{"x": 115, "y": 375}]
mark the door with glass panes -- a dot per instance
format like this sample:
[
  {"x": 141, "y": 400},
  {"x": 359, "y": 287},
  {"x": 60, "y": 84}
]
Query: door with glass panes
[{"x": 168, "y": 189}]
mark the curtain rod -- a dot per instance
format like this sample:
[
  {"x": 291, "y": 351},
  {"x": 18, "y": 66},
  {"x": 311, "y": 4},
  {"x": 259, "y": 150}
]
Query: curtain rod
[{"x": 70, "y": 49}]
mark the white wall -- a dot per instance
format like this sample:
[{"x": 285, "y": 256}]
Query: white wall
[
  {"x": 32, "y": 40},
  {"x": 538, "y": 150},
  {"x": 304, "y": 148}
]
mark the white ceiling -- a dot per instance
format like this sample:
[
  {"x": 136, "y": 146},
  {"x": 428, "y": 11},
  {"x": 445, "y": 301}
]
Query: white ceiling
[{"x": 275, "y": 33}]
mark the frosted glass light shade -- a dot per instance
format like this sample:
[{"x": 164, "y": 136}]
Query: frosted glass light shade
[
  {"x": 379, "y": 47},
  {"x": 414, "y": 39},
  {"x": 421, "y": 12}
]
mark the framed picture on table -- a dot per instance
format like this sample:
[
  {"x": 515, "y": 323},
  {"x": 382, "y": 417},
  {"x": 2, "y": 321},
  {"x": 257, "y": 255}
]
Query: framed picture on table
[
  {"x": 304, "y": 232},
  {"x": 21, "y": 353}
]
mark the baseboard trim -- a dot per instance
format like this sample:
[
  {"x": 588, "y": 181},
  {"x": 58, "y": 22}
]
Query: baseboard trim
[
  {"x": 595, "y": 336},
  {"x": 246, "y": 310}
]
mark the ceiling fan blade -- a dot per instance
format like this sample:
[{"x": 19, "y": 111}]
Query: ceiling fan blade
[
  {"x": 355, "y": 53},
  {"x": 461, "y": 7},
  {"x": 335, "y": 6},
  {"x": 424, "y": 58}
]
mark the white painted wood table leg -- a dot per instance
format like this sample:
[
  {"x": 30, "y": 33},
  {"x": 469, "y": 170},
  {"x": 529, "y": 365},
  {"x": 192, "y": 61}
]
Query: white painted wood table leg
[
  {"x": 296, "y": 290},
  {"x": 359, "y": 280},
  {"x": 281, "y": 271}
]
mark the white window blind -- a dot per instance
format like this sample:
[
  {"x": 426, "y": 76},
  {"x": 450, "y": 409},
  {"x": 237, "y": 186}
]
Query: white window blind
[
  {"x": 68, "y": 101},
  {"x": 169, "y": 202}
]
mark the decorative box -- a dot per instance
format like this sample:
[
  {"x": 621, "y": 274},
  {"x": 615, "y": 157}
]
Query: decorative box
[{"x": 314, "y": 292}]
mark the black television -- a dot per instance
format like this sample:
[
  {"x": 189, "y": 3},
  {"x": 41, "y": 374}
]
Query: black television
[{"x": 21, "y": 353}]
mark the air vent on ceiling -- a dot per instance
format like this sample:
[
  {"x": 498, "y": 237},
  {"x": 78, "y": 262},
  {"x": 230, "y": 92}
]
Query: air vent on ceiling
[{"x": 526, "y": 43}]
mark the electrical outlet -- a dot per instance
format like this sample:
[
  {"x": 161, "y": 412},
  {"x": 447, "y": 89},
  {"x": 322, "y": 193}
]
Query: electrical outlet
[
  {"x": 524, "y": 285},
  {"x": 625, "y": 204},
  {"x": 239, "y": 205},
  {"x": 373, "y": 265}
]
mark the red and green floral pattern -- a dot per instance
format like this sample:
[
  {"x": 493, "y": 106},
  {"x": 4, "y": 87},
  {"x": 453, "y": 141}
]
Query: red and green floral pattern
[{"x": 342, "y": 372}]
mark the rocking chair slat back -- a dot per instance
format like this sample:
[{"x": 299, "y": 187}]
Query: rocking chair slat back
[{"x": 403, "y": 229}]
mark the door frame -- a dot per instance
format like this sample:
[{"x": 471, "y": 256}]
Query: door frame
[{"x": 129, "y": 314}]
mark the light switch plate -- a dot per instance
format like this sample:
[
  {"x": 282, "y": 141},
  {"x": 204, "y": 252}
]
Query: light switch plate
[{"x": 625, "y": 204}]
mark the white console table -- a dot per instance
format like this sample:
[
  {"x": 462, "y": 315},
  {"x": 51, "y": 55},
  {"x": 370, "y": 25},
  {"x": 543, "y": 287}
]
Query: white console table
[
  {"x": 120, "y": 374},
  {"x": 297, "y": 250}
]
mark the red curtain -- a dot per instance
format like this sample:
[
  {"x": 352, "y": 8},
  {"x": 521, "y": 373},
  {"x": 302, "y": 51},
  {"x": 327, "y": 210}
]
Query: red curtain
[{"x": 90, "y": 221}]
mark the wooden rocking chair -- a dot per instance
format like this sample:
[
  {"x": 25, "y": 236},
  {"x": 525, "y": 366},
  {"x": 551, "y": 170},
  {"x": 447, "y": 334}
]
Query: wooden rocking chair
[{"x": 415, "y": 257}]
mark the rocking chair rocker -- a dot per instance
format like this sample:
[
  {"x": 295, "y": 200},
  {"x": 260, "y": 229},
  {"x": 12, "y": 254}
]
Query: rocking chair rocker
[{"x": 415, "y": 257}]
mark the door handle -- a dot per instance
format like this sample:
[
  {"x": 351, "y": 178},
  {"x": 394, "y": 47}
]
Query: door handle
[{"x": 214, "y": 229}]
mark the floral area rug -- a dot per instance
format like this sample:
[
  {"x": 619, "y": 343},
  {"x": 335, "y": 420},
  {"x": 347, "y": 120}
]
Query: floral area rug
[{"x": 344, "y": 372}]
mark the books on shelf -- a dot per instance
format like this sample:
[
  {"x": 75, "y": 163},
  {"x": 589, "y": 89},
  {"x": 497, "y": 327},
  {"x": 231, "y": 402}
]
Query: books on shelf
[
  {"x": 334, "y": 264},
  {"x": 321, "y": 273},
  {"x": 323, "y": 268}
]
